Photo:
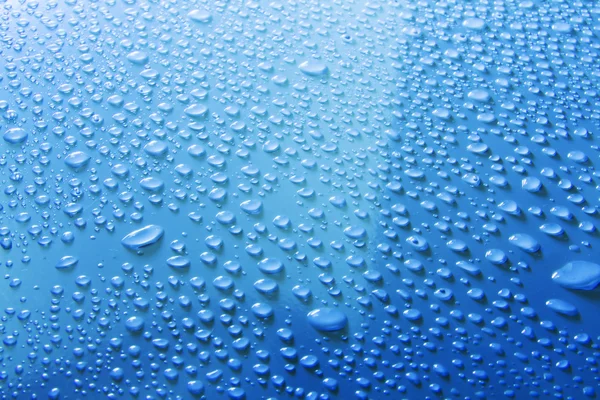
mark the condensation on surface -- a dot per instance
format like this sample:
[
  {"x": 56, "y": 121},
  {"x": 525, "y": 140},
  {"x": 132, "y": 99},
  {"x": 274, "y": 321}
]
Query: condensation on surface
[{"x": 299, "y": 199}]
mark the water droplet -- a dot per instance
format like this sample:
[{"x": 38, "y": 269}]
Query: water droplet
[
  {"x": 581, "y": 275},
  {"x": 143, "y": 237},
  {"x": 313, "y": 68},
  {"x": 327, "y": 319}
]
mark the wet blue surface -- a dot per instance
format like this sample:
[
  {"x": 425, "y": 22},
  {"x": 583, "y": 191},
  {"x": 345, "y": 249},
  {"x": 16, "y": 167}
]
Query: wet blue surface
[{"x": 307, "y": 200}]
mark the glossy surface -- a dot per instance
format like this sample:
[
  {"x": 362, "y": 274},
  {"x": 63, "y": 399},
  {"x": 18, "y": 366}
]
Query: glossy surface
[{"x": 299, "y": 200}]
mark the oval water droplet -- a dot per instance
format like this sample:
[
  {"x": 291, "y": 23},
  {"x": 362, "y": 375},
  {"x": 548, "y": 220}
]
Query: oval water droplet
[
  {"x": 143, "y": 237},
  {"x": 327, "y": 319}
]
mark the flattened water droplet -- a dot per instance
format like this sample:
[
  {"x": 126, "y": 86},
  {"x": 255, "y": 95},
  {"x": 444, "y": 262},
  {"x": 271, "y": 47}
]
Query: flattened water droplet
[
  {"x": 199, "y": 15},
  {"x": 327, "y": 319},
  {"x": 562, "y": 307},
  {"x": 525, "y": 242},
  {"x": 134, "y": 324},
  {"x": 531, "y": 184},
  {"x": 262, "y": 310},
  {"x": 479, "y": 95},
  {"x": 355, "y": 232},
  {"x": 178, "y": 262},
  {"x": 270, "y": 266},
  {"x": 15, "y": 136},
  {"x": 313, "y": 68},
  {"x": 197, "y": 111},
  {"x": 474, "y": 23},
  {"x": 67, "y": 263},
  {"x": 580, "y": 275},
  {"x": 77, "y": 160},
  {"x": 138, "y": 57},
  {"x": 252, "y": 207},
  {"x": 143, "y": 237},
  {"x": 496, "y": 256}
]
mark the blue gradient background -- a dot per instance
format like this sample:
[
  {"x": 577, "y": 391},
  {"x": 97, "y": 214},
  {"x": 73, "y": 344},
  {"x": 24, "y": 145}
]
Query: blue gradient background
[{"x": 520, "y": 77}]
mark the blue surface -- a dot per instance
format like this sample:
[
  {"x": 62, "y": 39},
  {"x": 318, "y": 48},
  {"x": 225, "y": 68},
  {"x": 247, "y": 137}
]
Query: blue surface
[{"x": 308, "y": 200}]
